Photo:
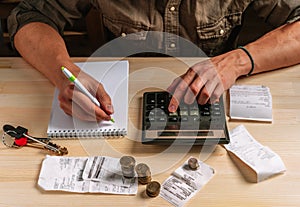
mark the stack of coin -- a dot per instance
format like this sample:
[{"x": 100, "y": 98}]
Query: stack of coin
[
  {"x": 127, "y": 165},
  {"x": 143, "y": 172},
  {"x": 153, "y": 189},
  {"x": 193, "y": 163}
]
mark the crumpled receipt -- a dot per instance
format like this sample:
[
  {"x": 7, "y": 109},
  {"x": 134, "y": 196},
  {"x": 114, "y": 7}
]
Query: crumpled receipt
[
  {"x": 261, "y": 159},
  {"x": 184, "y": 183},
  {"x": 77, "y": 174}
]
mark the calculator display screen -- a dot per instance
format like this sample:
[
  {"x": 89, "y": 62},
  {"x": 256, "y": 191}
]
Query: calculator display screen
[{"x": 184, "y": 133}]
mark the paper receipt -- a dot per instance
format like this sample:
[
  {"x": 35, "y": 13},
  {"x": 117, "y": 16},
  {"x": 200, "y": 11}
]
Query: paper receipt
[
  {"x": 261, "y": 159},
  {"x": 184, "y": 183},
  {"x": 250, "y": 102},
  {"x": 76, "y": 174}
]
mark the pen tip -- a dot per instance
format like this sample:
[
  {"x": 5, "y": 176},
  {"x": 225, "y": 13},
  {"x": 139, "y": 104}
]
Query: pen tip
[
  {"x": 112, "y": 120},
  {"x": 62, "y": 67}
]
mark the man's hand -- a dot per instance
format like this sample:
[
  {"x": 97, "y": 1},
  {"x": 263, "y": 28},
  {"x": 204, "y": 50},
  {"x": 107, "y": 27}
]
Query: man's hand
[
  {"x": 75, "y": 103},
  {"x": 207, "y": 80}
]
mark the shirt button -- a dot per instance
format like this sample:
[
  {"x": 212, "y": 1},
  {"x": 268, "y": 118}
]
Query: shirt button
[
  {"x": 222, "y": 32},
  {"x": 123, "y": 34},
  {"x": 172, "y": 8},
  {"x": 172, "y": 45}
]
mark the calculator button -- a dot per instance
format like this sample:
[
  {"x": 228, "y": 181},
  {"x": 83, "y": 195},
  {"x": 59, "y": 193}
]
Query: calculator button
[
  {"x": 162, "y": 107},
  {"x": 194, "y": 112},
  {"x": 161, "y": 98},
  {"x": 173, "y": 119},
  {"x": 161, "y": 119},
  {"x": 152, "y": 118},
  {"x": 205, "y": 108},
  {"x": 184, "y": 113},
  {"x": 217, "y": 113},
  {"x": 205, "y": 113},
  {"x": 216, "y": 108},
  {"x": 194, "y": 107},
  {"x": 184, "y": 118},
  {"x": 150, "y": 107},
  {"x": 151, "y": 99},
  {"x": 183, "y": 107},
  {"x": 194, "y": 118},
  {"x": 173, "y": 114},
  {"x": 160, "y": 113},
  {"x": 150, "y": 113},
  {"x": 215, "y": 119}
]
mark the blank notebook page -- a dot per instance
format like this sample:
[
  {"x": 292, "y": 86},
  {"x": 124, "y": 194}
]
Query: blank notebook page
[{"x": 114, "y": 77}]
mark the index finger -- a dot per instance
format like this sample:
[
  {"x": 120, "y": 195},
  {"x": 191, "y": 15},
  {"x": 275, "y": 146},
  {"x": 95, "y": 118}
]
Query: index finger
[
  {"x": 104, "y": 99},
  {"x": 181, "y": 88}
]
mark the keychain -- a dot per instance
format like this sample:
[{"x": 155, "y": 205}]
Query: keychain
[{"x": 18, "y": 137}]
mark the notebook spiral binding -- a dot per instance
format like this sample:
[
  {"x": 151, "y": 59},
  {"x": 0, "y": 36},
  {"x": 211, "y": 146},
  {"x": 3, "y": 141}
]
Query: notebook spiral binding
[{"x": 86, "y": 133}]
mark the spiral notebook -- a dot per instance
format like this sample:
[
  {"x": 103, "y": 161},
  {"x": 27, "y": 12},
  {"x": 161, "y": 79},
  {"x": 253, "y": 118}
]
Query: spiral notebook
[{"x": 114, "y": 77}]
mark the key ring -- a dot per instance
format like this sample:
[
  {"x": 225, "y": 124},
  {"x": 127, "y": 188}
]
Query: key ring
[
  {"x": 19, "y": 137},
  {"x": 8, "y": 140}
]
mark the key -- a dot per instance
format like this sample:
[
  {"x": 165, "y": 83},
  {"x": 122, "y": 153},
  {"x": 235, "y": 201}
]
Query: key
[
  {"x": 18, "y": 137},
  {"x": 47, "y": 145}
]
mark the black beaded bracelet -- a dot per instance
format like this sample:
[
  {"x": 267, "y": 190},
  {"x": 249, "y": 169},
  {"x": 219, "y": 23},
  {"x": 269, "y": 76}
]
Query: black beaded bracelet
[{"x": 250, "y": 57}]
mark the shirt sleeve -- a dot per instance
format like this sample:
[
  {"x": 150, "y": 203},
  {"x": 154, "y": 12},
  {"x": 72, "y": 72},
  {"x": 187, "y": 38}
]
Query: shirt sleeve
[
  {"x": 278, "y": 12},
  {"x": 56, "y": 13}
]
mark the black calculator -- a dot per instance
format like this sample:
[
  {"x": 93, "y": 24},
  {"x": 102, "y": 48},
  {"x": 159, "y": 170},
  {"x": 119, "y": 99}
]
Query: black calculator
[{"x": 191, "y": 124}]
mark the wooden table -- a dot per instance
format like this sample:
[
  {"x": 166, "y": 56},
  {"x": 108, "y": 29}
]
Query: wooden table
[{"x": 26, "y": 97}]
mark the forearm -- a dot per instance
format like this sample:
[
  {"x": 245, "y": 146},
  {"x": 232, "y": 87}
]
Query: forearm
[
  {"x": 42, "y": 47},
  {"x": 209, "y": 79},
  {"x": 277, "y": 49}
]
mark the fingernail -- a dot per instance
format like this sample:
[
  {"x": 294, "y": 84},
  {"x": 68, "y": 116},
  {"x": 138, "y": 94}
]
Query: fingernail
[
  {"x": 172, "y": 108},
  {"x": 109, "y": 108}
]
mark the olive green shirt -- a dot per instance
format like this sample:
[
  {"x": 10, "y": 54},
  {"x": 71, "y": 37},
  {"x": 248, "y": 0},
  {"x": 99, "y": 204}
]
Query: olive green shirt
[{"x": 212, "y": 25}]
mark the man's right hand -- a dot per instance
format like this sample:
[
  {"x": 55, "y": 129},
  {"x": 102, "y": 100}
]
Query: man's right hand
[{"x": 75, "y": 103}]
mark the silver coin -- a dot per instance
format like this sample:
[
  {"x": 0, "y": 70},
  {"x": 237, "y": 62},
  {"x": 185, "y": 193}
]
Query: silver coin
[
  {"x": 193, "y": 163},
  {"x": 127, "y": 165}
]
